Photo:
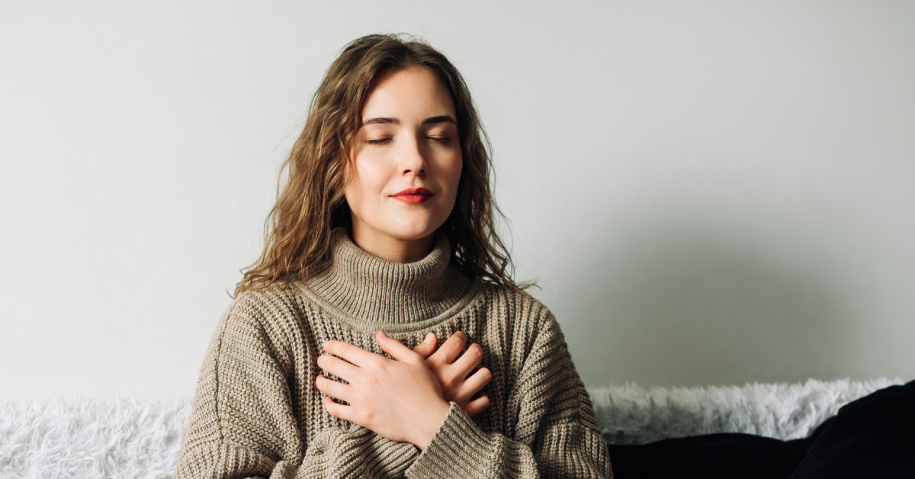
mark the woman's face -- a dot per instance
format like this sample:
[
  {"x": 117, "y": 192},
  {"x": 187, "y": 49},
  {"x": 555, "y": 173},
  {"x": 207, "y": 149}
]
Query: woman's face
[{"x": 408, "y": 140}]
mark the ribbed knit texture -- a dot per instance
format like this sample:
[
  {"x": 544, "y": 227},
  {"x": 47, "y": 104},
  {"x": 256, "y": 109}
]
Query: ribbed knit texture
[{"x": 257, "y": 412}]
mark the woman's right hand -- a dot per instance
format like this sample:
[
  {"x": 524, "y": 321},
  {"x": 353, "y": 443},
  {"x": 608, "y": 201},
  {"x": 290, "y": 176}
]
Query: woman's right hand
[{"x": 465, "y": 391}]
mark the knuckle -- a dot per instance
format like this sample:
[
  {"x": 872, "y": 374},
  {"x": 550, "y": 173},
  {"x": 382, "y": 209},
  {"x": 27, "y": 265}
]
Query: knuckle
[
  {"x": 457, "y": 339},
  {"x": 330, "y": 362},
  {"x": 367, "y": 417},
  {"x": 378, "y": 365},
  {"x": 325, "y": 385},
  {"x": 371, "y": 382},
  {"x": 448, "y": 383}
]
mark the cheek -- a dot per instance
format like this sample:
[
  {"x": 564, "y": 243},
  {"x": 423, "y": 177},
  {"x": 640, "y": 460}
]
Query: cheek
[{"x": 367, "y": 183}]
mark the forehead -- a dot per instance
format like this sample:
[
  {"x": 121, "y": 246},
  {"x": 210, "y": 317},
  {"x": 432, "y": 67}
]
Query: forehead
[{"x": 414, "y": 93}]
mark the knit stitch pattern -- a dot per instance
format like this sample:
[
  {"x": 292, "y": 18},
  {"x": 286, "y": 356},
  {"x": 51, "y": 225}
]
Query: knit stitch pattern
[{"x": 257, "y": 412}]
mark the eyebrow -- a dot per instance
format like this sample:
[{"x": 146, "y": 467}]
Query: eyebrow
[{"x": 396, "y": 121}]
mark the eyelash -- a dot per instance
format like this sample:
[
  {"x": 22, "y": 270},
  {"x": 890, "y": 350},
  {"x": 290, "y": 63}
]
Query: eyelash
[{"x": 441, "y": 140}]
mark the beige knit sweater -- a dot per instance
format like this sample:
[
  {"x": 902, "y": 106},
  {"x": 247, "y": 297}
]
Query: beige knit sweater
[{"x": 257, "y": 412}]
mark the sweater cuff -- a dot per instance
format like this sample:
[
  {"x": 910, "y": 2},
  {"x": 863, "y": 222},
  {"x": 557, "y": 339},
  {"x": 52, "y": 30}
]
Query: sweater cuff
[{"x": 459, "y": 448}]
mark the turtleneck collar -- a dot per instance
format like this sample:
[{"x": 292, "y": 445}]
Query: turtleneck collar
[{"x": 373, "y": 293}]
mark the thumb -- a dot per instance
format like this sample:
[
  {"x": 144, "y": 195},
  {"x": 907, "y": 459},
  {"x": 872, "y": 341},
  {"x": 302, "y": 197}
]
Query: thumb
[
  {"x": 396, "y": 348},
  {"x": 427, "y": 347}
]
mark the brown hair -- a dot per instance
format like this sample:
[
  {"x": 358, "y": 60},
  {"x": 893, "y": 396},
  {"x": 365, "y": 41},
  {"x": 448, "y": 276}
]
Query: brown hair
[{"x": 298, "y": 230}]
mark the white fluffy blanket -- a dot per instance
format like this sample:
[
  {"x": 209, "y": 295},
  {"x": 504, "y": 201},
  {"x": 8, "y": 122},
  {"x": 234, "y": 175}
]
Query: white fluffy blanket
[{"x": 126, "y": 438}]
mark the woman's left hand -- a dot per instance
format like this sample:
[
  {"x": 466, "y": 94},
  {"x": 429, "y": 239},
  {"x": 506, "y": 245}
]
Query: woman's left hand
[{"x": 399, "y": 399}]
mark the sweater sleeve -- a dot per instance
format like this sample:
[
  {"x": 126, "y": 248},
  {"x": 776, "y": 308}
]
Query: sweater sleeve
[
  {"x": 242, "y": 423},
  {"x": 555, "y": 436}
]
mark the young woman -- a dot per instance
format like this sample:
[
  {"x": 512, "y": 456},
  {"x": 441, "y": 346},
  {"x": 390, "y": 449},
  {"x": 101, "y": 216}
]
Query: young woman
[{"x": 382, "y": 241}]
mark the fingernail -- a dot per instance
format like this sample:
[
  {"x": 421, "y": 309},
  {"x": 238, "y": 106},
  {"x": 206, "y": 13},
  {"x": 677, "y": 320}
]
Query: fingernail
[
  {"x": 383, "y": 334},
  {"x": 428, "y": 339}
]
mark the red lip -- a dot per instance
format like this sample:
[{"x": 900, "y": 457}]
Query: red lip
[
  {"x": 414, "y": 191},
  {"x": 412, "y": 196}
]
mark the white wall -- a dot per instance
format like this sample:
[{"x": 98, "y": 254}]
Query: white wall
[{"x": 708, "y": 192}]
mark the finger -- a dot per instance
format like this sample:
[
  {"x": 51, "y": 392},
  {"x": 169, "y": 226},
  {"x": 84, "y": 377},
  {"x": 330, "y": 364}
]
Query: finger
[
  {"x": 333, "y": 389},
  {"x": 397, "y": 349},
  {"x": 452, "y": 347},
  {"x": 427, "y": 347},
  {"x": 477, "y": 405},
  {"x": 338, "y": 367},
  {"x": 468, "y": 360},
  {"x": 474, "y": 384},
  {"x": 353, "y": 354},
  {"x": 338, "y": 410}
]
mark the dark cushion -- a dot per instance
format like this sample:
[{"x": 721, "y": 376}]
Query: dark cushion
[
  {"x": 871, "y": 437},
  {"x": 711, "y": 456}
]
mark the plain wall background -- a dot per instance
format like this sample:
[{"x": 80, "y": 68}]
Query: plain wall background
[{"x": 708, "y": 192}]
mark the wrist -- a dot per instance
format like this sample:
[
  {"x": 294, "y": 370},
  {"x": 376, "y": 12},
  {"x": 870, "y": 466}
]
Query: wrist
[{"x": 433, "y": 420}]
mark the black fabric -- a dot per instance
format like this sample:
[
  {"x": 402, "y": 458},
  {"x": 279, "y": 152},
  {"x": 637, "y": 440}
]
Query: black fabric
[
  {"x": 871, "y": 437},
  {"x": 710, "y": 456}
]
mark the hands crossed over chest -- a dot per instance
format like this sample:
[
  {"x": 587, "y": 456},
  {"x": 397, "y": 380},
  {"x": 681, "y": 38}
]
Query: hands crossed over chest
[{"x": 404, "y": 399}]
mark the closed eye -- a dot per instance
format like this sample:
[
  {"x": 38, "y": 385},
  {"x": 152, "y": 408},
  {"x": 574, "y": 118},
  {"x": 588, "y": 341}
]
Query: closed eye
[{"x": 382, "y": 141}]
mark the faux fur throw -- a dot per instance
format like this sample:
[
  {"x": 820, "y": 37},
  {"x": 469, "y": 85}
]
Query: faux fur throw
[{"x": 127, "y": 438}]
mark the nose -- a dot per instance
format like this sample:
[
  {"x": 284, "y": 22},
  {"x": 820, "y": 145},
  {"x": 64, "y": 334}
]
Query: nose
[{"x": 412, "y": 158}]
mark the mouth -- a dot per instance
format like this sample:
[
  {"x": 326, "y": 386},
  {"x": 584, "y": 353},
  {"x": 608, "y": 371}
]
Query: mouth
[{"x": 413, "y": 196}]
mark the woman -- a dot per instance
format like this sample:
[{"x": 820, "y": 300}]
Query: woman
[{"x": 382, "y": 241}]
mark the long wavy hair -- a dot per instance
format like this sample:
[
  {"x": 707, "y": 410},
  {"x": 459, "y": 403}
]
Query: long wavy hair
[{"x": 297, "y": 239}]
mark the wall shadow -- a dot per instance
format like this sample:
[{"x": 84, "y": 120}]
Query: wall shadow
[{"x": 682, "y": 304}]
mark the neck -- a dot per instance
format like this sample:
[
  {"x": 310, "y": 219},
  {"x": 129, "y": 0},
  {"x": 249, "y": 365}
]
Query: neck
[{"x": 389, "y": 248}]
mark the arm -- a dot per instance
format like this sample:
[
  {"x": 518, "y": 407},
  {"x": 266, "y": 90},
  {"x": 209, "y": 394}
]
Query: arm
[
  {"x": 242, "y": 423},
  {"x": 555, "y": 435}
]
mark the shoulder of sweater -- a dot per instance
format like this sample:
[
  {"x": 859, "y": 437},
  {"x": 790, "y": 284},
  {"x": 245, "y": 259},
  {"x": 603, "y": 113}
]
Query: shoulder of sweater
[
  {"x": 264, "y": 316},
  {"x": 258, "y": 304},
  {"x": 531, "y": 306}
]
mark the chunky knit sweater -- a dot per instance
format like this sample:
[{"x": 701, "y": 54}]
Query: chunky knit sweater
[{"x": 258, "y": 413}]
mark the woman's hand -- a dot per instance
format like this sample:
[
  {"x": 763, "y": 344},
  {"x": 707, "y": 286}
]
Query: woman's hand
[
  {"x": 400, "y": 400},
  {"x": 466, "y": 392}
]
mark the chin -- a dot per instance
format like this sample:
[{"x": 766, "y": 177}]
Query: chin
[
  {"x": 412, "y": 230},
  {"x": 411, "y": 233}
]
